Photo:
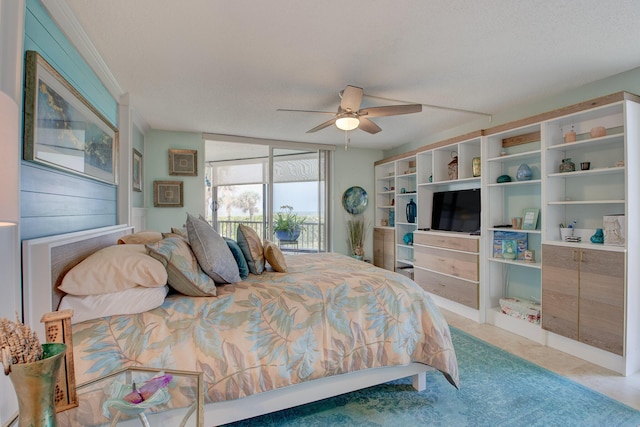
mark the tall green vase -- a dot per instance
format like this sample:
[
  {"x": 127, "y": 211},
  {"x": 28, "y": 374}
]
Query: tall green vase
[{"x": 35, "y": 385}]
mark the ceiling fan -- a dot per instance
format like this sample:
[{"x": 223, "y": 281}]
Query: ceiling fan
[{"x": 350, "y": 116}]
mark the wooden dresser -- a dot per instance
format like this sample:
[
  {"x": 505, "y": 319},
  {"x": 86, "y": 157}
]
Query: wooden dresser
[{"x": 447, "y": 265}]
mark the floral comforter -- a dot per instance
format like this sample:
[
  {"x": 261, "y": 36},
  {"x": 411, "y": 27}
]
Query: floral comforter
[{"x": 330, "y": 314}]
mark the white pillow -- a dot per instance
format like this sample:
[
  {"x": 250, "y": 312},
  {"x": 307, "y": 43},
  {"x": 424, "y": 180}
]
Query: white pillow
[
  {"x": 130, "y": 301},
  {"x": 114, "y": 268}
]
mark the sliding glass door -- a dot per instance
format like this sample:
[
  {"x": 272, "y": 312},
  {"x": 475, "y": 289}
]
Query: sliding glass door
[
  {"x": 299, "y": 191},
  {"x": 253, "y": 184},
  {"x": 237, "y": 177}
]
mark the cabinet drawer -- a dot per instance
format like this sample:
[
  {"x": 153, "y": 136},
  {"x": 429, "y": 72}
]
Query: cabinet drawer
[
  {"x": 458, "y": 264},
  {"x": 446, "y": 241},
  {"x": 457, "y": 290}
]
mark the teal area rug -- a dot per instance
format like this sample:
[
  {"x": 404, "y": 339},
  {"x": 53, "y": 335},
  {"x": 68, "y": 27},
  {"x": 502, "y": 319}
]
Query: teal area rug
[{"x": 496, "y": 389}]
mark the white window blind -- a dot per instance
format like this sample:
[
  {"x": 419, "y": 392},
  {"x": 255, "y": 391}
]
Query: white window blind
[{"x": 237, "y": 172}]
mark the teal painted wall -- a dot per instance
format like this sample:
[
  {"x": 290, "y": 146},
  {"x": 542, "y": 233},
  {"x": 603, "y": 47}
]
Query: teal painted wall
[
  {"x": 43, "y": 36},
  {"x": 156, "y": 159},
  {"x": 53, "y": 201}
]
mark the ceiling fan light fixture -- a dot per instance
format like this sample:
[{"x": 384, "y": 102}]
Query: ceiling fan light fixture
[{"x": 347, "y": 122}]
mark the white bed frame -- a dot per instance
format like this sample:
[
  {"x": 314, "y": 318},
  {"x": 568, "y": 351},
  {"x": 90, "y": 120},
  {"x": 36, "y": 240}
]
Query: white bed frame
[{"x": 47, "y": 259}]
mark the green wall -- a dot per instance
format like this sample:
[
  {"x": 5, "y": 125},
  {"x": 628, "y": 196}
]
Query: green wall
[
  {"x": 353, "y": 167},
  {"x": 156, "y": 168}
]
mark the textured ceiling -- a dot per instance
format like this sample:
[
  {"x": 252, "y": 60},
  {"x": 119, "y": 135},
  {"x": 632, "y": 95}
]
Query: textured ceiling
[{"x": 225, "y": 67}]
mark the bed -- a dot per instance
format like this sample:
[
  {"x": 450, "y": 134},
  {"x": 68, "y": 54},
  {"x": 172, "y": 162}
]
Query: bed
[{"x": 329, "y": 325}]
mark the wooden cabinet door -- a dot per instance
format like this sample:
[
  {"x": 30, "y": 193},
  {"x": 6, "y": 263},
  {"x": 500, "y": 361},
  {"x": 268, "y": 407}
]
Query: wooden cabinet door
[
  {"x": 560, "y": 290},
  {"x": 384, "y": 248},
  {"x": 602, "y": 300},
  {"x": 378, "y": 247}
]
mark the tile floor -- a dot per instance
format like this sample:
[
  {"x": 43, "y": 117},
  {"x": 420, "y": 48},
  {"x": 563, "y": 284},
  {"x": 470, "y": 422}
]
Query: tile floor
[{"x": 616, "y": 386}]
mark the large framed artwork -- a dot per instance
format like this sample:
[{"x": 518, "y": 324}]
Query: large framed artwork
[
  {"x": 136, "y": 173},
  {"x": 167, "y": 194},
  {"x": 183, "y": 162},
  {"x": 62, "y": 129}
]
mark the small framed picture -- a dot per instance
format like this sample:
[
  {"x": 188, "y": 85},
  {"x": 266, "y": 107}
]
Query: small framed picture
[
  {"x": 183, "y": 162},
  {"x": 136, "y": 173},
  {"x": 530, "y": 218},
  {"x": 167, "y": 194}
]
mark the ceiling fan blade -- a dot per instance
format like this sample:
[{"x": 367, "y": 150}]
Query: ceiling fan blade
[
  {"x": 351, "y": 98},
  {"x": 368, "y": 126},
  {"x": 322, "y": 126},
  {"x": 306, "y": 111},
  {"x": 390, "y": 110}
]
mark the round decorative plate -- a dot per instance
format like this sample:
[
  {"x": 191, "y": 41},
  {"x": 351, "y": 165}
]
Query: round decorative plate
[{"x": 354, "y": 200}]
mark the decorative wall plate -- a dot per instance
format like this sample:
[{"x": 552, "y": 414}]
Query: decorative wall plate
[{"x": 354, "y": 200}]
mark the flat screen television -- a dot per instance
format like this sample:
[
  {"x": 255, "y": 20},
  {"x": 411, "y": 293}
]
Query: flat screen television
[{"x": 457, "y": 210}]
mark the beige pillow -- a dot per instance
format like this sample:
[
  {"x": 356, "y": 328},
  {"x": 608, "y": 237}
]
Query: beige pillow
[
  {"x": 114, "y": 268},
  {"x": 251, "y": 246},
  {"x": 180, "y": 231},
  {"x": 141, "y": 238},
  {"x": 275, "y": 257}
]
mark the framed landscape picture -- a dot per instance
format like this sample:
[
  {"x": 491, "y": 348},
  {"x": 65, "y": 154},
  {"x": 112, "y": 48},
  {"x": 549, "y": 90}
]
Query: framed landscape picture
[
  {"x": 62, "y": 129},
  {"x": 136, "y": 173},
  {"x": 167, "y": 194},
  {"x": 183, "y": 162}
]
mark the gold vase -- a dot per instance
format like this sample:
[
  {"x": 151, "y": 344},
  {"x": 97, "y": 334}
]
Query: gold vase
[{"x": 35, "y": 385}]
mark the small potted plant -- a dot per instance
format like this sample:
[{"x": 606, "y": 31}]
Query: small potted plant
[
  {"x": 287, "y": 225},
  {"x": 356, "y": 235}
]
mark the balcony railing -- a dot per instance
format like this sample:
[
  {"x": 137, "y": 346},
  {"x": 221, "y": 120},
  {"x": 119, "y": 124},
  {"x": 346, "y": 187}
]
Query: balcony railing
[{"x": 309, "y": 240}]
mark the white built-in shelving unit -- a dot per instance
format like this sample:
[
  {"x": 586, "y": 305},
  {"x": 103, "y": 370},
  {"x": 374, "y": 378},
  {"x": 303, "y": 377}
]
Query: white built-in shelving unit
[{"x": 590, "y": 290}]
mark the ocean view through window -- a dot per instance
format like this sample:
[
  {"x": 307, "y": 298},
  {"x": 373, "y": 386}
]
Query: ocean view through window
[{"x": 251, "y": 188}]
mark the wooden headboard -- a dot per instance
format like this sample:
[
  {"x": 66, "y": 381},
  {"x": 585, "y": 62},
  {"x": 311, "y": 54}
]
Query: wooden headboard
[{"x": 46, "y": 260}]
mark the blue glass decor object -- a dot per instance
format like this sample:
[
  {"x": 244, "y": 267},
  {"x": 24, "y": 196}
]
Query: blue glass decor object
[
  {"x": 392, "y": 218},
  {"x": 598, "y": 236},
  {"x": 524, "y": 173},
  {"x": 408, "y": 239},
  {"x": 503, "y": 178},
  {"x": 412, "y": 211}
]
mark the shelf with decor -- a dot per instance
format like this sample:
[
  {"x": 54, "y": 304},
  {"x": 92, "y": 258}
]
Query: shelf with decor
[
  {"x": 513, "y": 193},
  {"x": 385, "y": 177},
  {"x": 406, "y": 198},
  {"x": 585, "y": 173},
  {"x": 455, "y": 162}
]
